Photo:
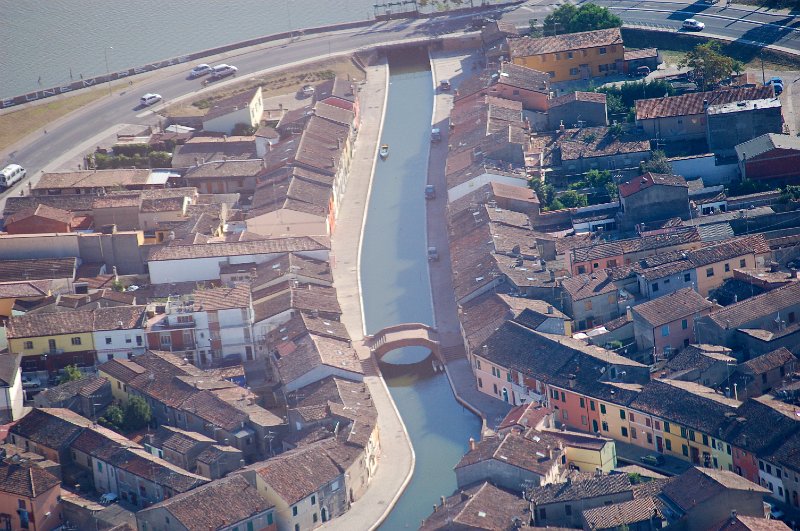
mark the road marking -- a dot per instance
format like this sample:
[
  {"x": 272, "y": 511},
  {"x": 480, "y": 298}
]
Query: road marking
[{"x": 143, "y": 114}]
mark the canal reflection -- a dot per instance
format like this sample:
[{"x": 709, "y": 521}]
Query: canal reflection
[{"x": 396, "y": 289}]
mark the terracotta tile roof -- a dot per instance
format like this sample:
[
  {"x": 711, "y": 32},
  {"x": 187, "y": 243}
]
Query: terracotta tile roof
[
  {"x": 644, "y": 53},
  {"x": 647, "y": 180},
  {"x": 220, "y": 504},
  {"x": 277, "y": 245},
  {"x": 518, "y": 193},
  {"x": 307, "y": 298},
  {"x": 729, "y": 249},
  {"x": 770, "y": 303},
  {"x": 26, "y": 480},
  {"x": 573, "y": 144},
  {"x": 56, "y": 323},
  {"x": 531, "y": 452},
  {"x": 178, "y": 440},
  {"x": 122, "y": 370},
  {"x": 297, "y": 474},
  {"x": 334, "y": 114},
  {"x": 681, "y": 304},
  {"x": 581, "y": 490},
  {"x": 41, "y": 211},
  {"x": 527, "y": 46},
  {"x": 482, "y": 506},
  {"x": 750, "y": 523},
  {"x": 93, "y": 179},
  {"x": 96, "y": 439},
  {"x": 303, "y": 355},
  {"x": 679, "y": 236},
  {"x": 690, "y": 104},
  {"x": 697, "y": 485},
  {"x": 321, "y": 144},
  {"x": 213, "y": 410},
  {"x": 215, "y": 452},
  {"x": 50, "y": 427},
  {"x": 204, "y": 148},
  {"x": 699, "y": 357},
  {"x": 222, "y": 298},
  {"x": 571, "y": 97},
  {"x": 225, "y": 168},
  {"x": 293, "y": 264},
  {"x": 35, "y": 288},
  {"x": 589, "y": 285},
  {"x": 770, "y": 360},
  {"x": 37, "y": 269},
  {"x": 761, "y": 425},
  {"x": 86, "y": 387},
  {"x": 685, "y": 403},
  {"x": 141, "y": 463},
  {"x": 622, "y": 514}
]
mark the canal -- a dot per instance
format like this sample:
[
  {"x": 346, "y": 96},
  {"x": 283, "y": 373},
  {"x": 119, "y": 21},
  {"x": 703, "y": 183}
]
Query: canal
[{"x": 396, "y": 289}]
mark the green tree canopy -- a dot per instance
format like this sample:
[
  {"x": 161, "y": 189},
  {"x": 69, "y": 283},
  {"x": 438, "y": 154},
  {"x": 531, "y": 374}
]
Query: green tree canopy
[
  {"x": 572, "y": 199},
  {"x": 71, "y": 373},
  {"x": 709, "y": 63},
  {"x": 658, "y": 163},
  {"x": 588, "y": 17},
  {"x": 114, "y": 418},
  {"x": 137, "y": 414}
]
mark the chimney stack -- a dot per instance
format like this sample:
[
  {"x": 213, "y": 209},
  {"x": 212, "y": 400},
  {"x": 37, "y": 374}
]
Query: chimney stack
[{"x": 471, "y": 443}]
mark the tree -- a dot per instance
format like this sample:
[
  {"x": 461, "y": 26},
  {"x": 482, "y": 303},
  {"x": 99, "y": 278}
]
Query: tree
[
  {"x": 709, "y": 63},
  {"x": 658, "y": 163},
  {"x": 137, "y": 414},
  {"x": 114, "y": 417},
  {"x": 242, "y": 129},
  {"x": 572, "y": 199},
  {"x": 71, "y": 373},
  {"x": 588, "y": 17}
]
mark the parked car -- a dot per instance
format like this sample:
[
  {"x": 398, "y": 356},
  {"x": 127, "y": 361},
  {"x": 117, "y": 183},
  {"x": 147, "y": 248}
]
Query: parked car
[
  {"x": 149, "y": 99},
  {"x": 430, "y": 192},
  {"x": 11, "y": 175},
  {"x": 200, "y": 70},
  {"x": 223, "y": 70},
  {"x": 108, "y": 498},
  {"x": 433, "y": 254},
  {"x": 777, "y": 83},
  {"x": 444, "y": 85},
  {"x": 307, "y": 91},
  {"x": 652, "y": 459},
  {"x": 436, "y": 135},
  {"x": 691, "y": 24},
  {"x": 29, "y": 380}
]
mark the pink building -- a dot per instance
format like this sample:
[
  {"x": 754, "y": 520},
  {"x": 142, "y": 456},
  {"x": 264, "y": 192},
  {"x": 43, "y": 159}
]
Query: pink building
[
  {"x": 666, "y": 324},
  {"x": 29, "y": 497}
]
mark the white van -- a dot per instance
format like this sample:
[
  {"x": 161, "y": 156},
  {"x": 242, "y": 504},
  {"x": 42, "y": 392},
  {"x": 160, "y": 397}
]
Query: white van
[
  {"x": 11, "y": 175},
  {"x": 223, "y": 70}
]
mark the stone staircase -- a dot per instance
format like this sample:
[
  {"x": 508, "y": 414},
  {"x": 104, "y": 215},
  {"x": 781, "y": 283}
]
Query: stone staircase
[{"x": 454, "y": 353}]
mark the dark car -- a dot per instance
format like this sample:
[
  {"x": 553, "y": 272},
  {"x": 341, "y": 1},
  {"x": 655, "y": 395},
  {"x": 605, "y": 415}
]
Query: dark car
[{"x": 652, "y": 459}]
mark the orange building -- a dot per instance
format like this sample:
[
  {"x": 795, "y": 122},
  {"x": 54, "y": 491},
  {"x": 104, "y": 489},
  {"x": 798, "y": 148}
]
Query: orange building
[
  {"x": 29, "y": 497},
  {"x": 571, "y": 56}
]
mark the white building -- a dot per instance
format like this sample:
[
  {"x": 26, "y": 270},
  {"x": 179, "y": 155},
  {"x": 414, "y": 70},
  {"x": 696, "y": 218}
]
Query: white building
[
  {"x": 246, "y": 108},
  {"x": 11, "y": 393}
]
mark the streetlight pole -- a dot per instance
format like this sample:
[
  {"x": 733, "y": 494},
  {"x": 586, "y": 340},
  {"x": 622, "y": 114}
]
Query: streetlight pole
[
  {"x": 108, "y": 72},
  {"x": 289, "y": 17}
]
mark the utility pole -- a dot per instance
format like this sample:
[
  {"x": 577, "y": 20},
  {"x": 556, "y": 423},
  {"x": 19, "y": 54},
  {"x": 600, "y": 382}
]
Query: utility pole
[
  {"x": 763, "y": 75},
  {"x": 108, "y": 72}
]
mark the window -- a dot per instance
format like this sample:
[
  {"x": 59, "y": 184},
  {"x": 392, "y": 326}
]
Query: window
[
  {"x": 647, "y": 422},
  {"x": 649, "y": 439},
  {"x": 630, "y": 416},
  {"x": 611, "y": 263},
  {"x": 250, "y": 526},
  {"x": 568, "y": 510},
  {"x": 603, "y": 51},
  {"x": 313, "y": 499},
  {"x": 582, "y": 402},
  {"x": 622, "y": 414},
  {"x": 296, "y": 527},
  {"x": 668, "y": 444},
  {"x": 508, "y": 376},
  {"x": 655, "y": 286},
  {"x": 587, "y": 305},
  {"x": 554, "y": 394},
  {"x": 727, "y": 268},
  {"x": 542, "y": 513},
  {"x": 683, "y": 432},
  {"x": 558, "y": 56},
  {"x": 742, "y": 263},
  {"x": 294, "y": 510},
  {"x": 665, "y": 331},
  {"x": 603, "y": 409},
  {"x": 128, "y": 338},
  {"x": 605, "y": 426},
  {"x": 709, "y": 272},
  {"x": 685, "y": 450},
  {"x": 633, "y": 433},
  {"x": 270, "y": 519},
  {"x": 564, "y": 414},
  {"x": 684, "y": 324},
  {"x": 591, "y": 405},
  {"x": 687, "y": 277},
  {"x": 581, "y": 270},
  {"x": 108, "y": 340},
  {"x": 477, "y": 363},
  {"x": 110, "y": 357},
  {"x": 51, "y": 343},
  {"x": 769, "y": 469},
  {"x": 314, "y": 517},
  {"x": 21, "y": 504},
  {"x": 494, "y": 386},
  {"x": 573, "y": 71},
  {"x": 570, "y": 55},
  {"x": 792, "y": 319},
  {"x": 584, "y": 420},
  {"x": 28, "y": 345},
  {"x": 705, "y": 440},
  {"x": 624, "y": 431},
  {"x": 480, "y": 383},
  {"x": 551, "y": 74},
  {"x": 666, "y": 427},
  {"x": 99, "y": 466},
  {"x": 75, "y": 340},
  {"x": 761, "y": 465},
  {"x": 691, "y": 435},
  {"x": 166, "y": 340},
  {"x": 563, "y": 397}
]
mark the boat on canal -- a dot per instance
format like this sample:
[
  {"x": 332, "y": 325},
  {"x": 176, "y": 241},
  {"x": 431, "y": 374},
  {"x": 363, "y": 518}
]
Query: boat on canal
[{"x": 384, "y": 151}]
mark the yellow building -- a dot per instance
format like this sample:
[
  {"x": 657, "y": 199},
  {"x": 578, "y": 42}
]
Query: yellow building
[
  {"x": 588, "y": 453},
  {"x": 571, "y": 56},
  {"x": 51, "y": 341}
]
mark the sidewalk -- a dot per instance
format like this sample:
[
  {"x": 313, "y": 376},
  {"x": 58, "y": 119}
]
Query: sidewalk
[
  {"x": 454, "y": 67},
  {"x": 396, "y": 461}
]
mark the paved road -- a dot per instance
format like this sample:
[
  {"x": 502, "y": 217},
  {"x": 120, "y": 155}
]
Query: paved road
[{"x": 35, "y": 152}]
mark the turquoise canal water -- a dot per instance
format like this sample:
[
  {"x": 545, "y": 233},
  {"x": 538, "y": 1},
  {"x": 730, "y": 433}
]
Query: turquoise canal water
[{"x": 396, "y": 289}]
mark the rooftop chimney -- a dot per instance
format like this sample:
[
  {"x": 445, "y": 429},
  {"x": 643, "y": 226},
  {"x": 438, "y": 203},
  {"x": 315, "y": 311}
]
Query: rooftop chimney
[
  {"x": 471, "y": 443},
  {"x": 549, "y": 309}
]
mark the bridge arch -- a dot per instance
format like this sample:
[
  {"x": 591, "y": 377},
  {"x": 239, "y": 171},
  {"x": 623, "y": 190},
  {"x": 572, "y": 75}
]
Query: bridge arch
[{"x": 404, "y": 335}]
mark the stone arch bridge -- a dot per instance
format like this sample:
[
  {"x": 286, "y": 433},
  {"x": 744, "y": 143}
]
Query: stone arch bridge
[{"x": 404, "y": 335}]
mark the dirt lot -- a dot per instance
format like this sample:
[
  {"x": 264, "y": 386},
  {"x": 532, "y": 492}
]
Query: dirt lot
[{"x": 273, "y": 84}]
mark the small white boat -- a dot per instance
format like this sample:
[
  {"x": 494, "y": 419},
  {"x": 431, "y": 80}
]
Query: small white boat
[{"x": 384, "y": 152}]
